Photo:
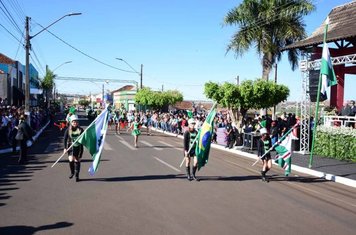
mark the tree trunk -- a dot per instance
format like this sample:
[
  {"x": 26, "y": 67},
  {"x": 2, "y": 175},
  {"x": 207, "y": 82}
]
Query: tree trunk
[{"x": 266, "y": 65}]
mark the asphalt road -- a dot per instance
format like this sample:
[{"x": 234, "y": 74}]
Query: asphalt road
[{"x": 144, "y": 191}]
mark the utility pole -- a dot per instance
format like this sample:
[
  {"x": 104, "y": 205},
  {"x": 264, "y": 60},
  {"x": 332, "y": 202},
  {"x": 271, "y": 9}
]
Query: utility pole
[
  {"x": 162, "y": 87},
  {"x": 237, "y": 80},
  {"x": 27, "y": 77},
  {"x": 141, "y": 74}
]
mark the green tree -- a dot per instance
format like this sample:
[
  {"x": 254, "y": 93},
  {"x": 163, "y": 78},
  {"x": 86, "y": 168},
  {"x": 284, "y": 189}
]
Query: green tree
[
  {"x": 84, "y": 103},
  {"x": 47, "y": 84},
  {"x": 269, "y": 26},
  {"x": 248, "y": 95},
  {"x": 157, "y": 99}
]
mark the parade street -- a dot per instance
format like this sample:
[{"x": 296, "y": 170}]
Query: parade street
[{"x": 144, "y": 191}]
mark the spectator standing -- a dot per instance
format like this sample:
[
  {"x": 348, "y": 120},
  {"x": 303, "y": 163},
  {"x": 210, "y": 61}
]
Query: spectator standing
[{"x": 24, "y": 133}]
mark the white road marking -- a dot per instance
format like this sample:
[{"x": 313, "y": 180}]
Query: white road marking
[
  {"x": 124, "y": 142},
  {"x": 107, "y": 146},
  {"x": 148, "y": 144},
  {"x": 162, "y": 142},
  {"x": 167, "y": 164}
]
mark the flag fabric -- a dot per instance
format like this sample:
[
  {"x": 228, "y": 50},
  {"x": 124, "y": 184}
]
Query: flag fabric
[
  {"x": 189, "y": 114},
  {"x": 284, "y": 151},
  {"x": 204, "y": 139},
  {"x": 327, "y": 73},
  {"x": 93, "y": 139}
]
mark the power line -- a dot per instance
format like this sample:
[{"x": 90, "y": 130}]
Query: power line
[
  {"x": 9, "y": 16},
  {"x": 85, "y": 54},
  {"x": 41, "y": 67},
  {"x": 10, "y": 33},
  {"x": 17, "y": 10}
]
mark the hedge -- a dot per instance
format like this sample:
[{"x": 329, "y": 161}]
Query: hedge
[{"x": 336, "y": 142}]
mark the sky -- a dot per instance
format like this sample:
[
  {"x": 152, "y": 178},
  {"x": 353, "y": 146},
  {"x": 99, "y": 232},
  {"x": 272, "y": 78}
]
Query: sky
[{"x": 180, "y": 43}]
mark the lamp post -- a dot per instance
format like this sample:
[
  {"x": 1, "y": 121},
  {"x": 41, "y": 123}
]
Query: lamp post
[
  {"x": 28, "y": 47},
  {"x": 67, "y": 62},
  {"x": 54, "y": 84},
  {"x": 140, "y": 74}
]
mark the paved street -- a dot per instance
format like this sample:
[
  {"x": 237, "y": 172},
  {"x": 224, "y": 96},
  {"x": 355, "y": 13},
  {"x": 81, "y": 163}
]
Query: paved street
[{"x": 144, "y": 191}]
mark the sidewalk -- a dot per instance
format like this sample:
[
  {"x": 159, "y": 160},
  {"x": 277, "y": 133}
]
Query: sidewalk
[
  {"x": 342, "y": 172},
  {"x": 8, "y": 149}
]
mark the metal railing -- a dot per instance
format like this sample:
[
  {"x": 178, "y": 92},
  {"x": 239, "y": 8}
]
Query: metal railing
[{"x": 343, "y": 121}]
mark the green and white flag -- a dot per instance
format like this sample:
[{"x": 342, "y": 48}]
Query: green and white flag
[
  {"x": 189, "y": 114},
  {"x": 93, "y": 139},
  {"x": 327, "y": 73},
  {"x": 284, "y": 150}
]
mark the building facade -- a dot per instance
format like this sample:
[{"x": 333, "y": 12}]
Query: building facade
[
  {"x": 13, "y": 82},
  {"x": 124, "y": 98}
]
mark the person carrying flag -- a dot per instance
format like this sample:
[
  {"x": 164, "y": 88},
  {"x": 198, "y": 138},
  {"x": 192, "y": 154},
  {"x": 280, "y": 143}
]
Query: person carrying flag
[
  {"x": 76, "y": 152},
  {"x": 189, "y": 149},
  {"x": 263, "y": 146}
]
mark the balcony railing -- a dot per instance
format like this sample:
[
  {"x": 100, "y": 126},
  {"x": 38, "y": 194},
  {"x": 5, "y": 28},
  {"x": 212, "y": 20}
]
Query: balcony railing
[{"x": 344, "y": 121}]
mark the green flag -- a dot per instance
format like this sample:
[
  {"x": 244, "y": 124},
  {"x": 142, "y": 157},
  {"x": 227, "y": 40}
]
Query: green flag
[
  {"x": 284, "y": 150},
  {"x": 190, "y": 114},
  {"x": 328, "y": 77},
  {"x": 204, "y": 139},
  {"x": 93, "y": 139}
]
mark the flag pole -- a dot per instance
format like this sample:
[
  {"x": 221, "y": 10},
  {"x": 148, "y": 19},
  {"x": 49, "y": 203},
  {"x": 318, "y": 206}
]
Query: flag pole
[
  {"x": 76, "y": 139},
  {"x": 316, "y": 118},
  {"x": 275, "y": 144},
  {"x": 197, "y": 136}
]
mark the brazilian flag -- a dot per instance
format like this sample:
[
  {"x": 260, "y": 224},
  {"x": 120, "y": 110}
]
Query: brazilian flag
[{"x": 204, "y": 139}]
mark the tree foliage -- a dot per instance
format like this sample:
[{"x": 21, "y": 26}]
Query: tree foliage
[
  {"x": 269, "y": 26},
  {"x": 84, "y": 103},
  {"x": 249, "y": 94},
  {"x": 157, "y": 99},
  {"x": 47, "y": 82}
]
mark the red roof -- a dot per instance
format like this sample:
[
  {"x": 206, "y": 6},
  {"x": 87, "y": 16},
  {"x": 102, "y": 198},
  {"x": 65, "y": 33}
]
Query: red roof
[{"x": 6, "y": 60}]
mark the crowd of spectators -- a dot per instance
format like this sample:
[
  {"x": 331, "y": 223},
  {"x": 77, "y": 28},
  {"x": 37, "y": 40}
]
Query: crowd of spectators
[
  {"x": 177, "y": 123},
  {"x": 9, "y": 120}
]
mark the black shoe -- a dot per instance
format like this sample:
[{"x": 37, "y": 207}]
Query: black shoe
[
  {"x": 71, "y": 175},
  {"x": 195, "y": 178},
  {"x": 77, "y": 179},
  {"x": 189, "y": 178}
]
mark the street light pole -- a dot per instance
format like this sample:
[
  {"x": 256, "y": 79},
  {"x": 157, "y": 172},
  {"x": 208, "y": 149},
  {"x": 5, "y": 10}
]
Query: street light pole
[
  {"x": 54, "y": 84},
  {"x": 67, "y": 62},
  {"x": 28, "y": 47},
  {"x": 134, "y": 70}
]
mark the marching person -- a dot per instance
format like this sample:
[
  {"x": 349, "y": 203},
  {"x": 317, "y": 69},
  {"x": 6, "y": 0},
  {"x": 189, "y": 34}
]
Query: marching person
[
  {"x": 76, "y": 152},
  {"x": 189, "y": 145},
  {"x": 135, "y": 130},
  {"x": 263, "y": 145},
  {"x": 24, "y": 133}
]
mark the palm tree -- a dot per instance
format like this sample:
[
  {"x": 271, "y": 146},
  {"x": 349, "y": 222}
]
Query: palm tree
[{"x": 269, "y": 25}]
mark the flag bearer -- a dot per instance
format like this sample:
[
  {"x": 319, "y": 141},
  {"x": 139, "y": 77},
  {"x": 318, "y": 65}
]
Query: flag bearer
[
  {"x": 76, "y": 152},
  {"x": 263, "y": 145},
  {"x": 189, "y": 145}
]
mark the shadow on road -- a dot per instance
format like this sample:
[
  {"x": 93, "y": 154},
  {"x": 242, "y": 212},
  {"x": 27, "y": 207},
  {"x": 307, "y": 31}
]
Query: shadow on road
[
  {"x": 208, "y": 178},
  {"x": 137, "y": 178},
  {"x": 28, "y": 230},
  {"x": 11, "y": 173}
]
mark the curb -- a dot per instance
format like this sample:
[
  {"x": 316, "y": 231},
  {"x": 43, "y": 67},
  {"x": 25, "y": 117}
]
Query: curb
[
  {"x": 29, "y": 143},
  {"x": 304, "y": 170}
]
